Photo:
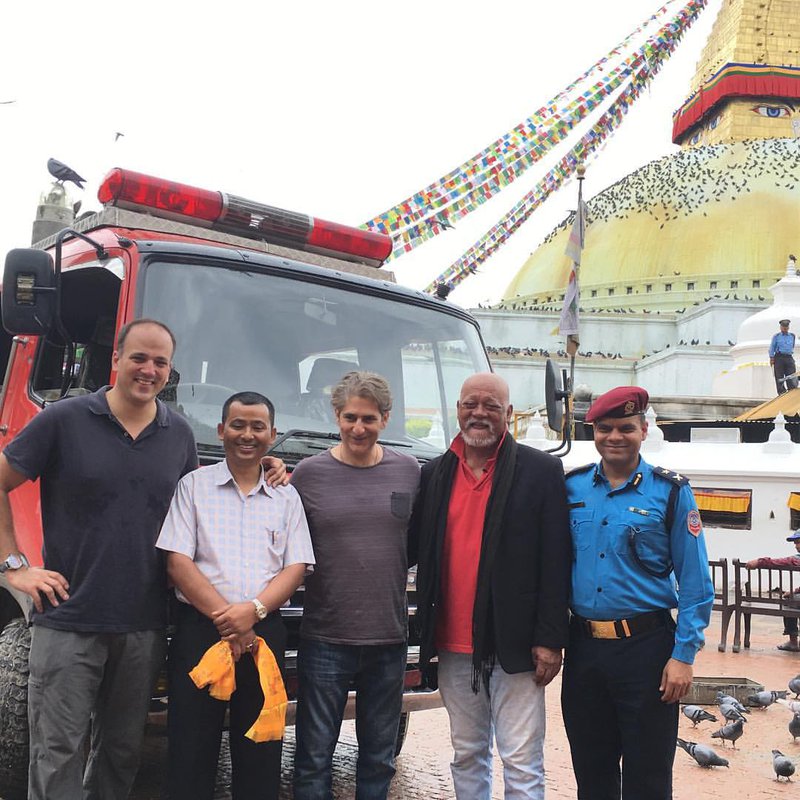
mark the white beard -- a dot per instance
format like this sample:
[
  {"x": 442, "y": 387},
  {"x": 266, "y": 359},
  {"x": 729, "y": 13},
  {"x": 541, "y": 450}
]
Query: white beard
[{"x": 482, "y": 439}]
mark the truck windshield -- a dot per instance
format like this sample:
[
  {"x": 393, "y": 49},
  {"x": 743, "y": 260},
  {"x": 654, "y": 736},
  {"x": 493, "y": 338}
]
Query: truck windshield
[{"x": 293, "y": 339}]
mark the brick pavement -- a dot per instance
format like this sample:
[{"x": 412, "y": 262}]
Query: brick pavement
[
  {"x": 750, "y": 773},
  {"x": 423, "y": 767}
]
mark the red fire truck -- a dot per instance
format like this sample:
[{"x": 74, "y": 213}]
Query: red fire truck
[{"x": 259, "y": 299}]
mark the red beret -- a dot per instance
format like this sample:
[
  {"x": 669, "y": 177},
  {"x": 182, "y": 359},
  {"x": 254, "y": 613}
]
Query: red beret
[{"x": 624, "y": 401}]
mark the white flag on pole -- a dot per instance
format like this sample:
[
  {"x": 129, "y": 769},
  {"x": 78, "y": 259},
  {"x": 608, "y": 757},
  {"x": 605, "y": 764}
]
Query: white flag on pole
[
  {"x": 568, "y": 323},
  {"x": 576, "y": 235}
]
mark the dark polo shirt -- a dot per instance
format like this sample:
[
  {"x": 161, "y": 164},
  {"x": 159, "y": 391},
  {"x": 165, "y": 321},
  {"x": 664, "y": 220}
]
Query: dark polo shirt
[{"x": 104, "y": 497}]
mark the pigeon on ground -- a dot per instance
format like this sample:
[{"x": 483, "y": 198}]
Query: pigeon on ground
[
  {"x": 731, "y": 701},
  {"x": 731, "y": 713},
  {"x": 792, "y": 705},
  {"x": 794, "y": 686},
  {"x": 697, "y": 714},
  {"x": 730, "y": 732},
  {"x": 704, "y": 755},
  {"x": 794, "y": 726},
  {"x": 784, "y": 767},
  {"x": 61, "y": 172},
  {"x": 766, "y": 698}
]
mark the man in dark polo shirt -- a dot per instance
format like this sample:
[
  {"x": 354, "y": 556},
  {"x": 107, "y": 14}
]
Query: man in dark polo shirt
[{"x": 108, "y": 464}]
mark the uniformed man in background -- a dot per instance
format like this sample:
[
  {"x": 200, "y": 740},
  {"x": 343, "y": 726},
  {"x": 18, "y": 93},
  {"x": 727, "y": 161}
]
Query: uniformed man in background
[
  {"x": 636, "y": 531},
  {"x": 781, "y": 358}
]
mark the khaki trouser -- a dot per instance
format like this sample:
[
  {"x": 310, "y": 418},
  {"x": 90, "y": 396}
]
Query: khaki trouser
[{"x": 88, "y": 684}]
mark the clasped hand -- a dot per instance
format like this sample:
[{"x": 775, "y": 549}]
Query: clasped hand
[{"x": 234, "y": 623}]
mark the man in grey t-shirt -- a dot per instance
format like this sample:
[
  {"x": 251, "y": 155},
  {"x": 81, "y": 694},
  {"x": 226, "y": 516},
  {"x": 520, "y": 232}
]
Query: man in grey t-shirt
[{"x": 358, "y": 498}]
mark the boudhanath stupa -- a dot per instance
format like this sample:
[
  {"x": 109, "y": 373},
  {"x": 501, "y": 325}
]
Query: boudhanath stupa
[
  {"x": 721, "y": 213},
  {"x": 682, "y": 251}
]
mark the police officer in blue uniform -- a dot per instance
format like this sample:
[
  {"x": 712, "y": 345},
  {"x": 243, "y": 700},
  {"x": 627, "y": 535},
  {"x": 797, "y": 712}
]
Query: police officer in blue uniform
[
  {"x": 636, "y": 532},
  {"x": 781, "y": 358}
]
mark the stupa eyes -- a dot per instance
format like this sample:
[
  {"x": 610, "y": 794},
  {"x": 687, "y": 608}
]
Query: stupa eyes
[{"x": 773, "y": 111}]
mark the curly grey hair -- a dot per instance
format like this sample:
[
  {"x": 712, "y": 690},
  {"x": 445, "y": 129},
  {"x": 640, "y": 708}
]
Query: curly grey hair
[{"x": 368, "y": 385}]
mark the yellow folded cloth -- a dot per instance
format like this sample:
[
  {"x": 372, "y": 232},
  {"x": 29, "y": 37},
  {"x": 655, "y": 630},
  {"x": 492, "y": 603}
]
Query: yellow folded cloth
[{"x": 217, "y": 670}]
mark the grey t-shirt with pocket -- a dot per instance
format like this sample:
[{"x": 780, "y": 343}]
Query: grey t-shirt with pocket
[{"x": 358, "y": 518}]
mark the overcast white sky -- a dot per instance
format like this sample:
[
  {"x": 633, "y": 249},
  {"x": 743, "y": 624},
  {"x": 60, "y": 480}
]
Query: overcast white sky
[{"x": 337, "y": 109}]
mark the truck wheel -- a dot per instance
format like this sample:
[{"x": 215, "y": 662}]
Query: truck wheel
[
  {"x": 15, "y": 645},
  {"x": 402, "y": 732}
]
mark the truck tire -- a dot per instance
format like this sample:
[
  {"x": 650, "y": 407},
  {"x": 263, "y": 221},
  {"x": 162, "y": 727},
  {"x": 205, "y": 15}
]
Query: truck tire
[
  {"x": 15, "y": 645},
  {"x": 402, "y": 732}
]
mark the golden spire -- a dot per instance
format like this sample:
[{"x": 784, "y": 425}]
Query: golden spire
[
  {"x": 756, "y": 98},
  {"x": 751, "y": 32}
]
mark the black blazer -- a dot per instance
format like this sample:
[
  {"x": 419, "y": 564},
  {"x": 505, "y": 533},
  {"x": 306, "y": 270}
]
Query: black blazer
[{"x": 531, "y": 573}]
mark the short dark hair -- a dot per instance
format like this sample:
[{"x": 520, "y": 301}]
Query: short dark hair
[
  {"x": 129, "y": 326},
  {"x": 248, "y": 399}
]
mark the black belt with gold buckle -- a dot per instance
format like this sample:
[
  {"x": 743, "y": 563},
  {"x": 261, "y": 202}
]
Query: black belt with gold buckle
[{"x": 621, "y": 628}]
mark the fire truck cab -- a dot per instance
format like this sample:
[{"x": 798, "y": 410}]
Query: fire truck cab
[{"x": 258, "y": 299}]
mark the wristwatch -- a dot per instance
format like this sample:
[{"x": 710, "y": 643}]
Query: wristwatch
[
  {"x": 261, "y": 609},
  {"x": 13, "y": 561}
]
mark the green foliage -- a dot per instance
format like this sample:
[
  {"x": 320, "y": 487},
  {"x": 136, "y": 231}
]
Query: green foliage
[{"x": 418, "y": 427}]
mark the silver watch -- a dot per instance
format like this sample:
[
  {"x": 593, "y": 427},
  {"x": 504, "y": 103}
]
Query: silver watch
[
  {"x": 261, "y": 609},
  {"x": 13, "y": 561}
]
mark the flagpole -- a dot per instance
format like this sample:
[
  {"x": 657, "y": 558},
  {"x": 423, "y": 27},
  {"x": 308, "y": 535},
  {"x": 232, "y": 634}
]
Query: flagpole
[
  {"x": 572, "y": 347},
  {"x": 569, "y": 321}
]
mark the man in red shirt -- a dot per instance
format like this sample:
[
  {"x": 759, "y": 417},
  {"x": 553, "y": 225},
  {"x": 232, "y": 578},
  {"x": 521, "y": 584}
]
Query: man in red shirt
[
  {"x": 490, "y": 534},
  {"x": 789, "y": 623}
]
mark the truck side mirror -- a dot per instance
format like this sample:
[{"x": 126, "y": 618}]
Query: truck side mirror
[
  {"x": 557, "y": 392},
  {"x": 29, "y": 292},
  {"x": 554, "y": 395}
]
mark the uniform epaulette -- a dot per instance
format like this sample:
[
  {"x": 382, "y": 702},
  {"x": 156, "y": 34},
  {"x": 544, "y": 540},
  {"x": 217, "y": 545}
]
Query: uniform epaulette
[
  {"x": 578, "y": 470},
  {"x": 673, "y": 477}
]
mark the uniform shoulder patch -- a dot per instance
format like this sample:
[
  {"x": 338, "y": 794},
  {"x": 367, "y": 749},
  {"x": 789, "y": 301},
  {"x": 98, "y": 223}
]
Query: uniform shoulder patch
[
  {"x": 694, "y": 523},
  {"x": 673, "y": 477},
  {"x": 579, "y": 470}
]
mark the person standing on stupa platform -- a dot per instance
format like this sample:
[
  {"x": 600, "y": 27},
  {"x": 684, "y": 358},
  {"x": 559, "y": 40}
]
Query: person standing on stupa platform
[{"x": 781, "y": 358}]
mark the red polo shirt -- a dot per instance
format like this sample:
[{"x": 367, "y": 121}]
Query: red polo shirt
[{"x": 461, "y": 552}]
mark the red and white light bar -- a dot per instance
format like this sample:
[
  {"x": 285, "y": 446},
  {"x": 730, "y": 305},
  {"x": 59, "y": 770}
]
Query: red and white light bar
[{"x": 224, "y": 212}]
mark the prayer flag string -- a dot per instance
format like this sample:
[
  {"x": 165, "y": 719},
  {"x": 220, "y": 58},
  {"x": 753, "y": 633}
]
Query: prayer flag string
[
  {"x": 653, "y": 54},
  {"x": 480, "y": 177}
]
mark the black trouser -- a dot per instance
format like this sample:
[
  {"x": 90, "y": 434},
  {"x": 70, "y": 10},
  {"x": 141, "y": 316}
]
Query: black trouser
[
  {"x": 784, "y": 365},
  {"x": 196, "y": 719},
  {"x": 613, "y": 710}
]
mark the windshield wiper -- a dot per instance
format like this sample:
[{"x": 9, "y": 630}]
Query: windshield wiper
[
  {"x": 210, "y": 452},
  {"x": 301, "y": 434},
  {"x": 393, "y": 443},
  {"x": 296, "y": 444}
]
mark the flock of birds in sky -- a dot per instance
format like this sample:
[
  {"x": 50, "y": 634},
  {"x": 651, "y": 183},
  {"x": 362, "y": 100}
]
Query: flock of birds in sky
[{"x": 734, "y": 718}]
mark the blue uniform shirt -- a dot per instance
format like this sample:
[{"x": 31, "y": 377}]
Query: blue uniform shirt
[
  {"x": 781, "y": 343},
  {"x": 609, "y": 582}
]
